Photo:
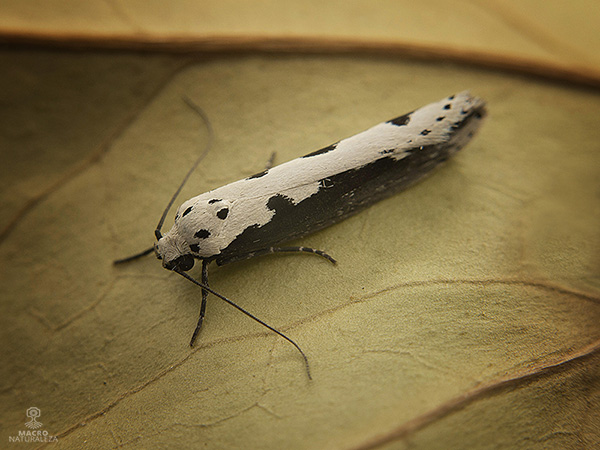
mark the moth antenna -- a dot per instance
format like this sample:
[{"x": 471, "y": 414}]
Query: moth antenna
[
  {"x": 132, "y": 257},
  {"x": 239, "y": 308},
  {"x": 207, "y": 147}
]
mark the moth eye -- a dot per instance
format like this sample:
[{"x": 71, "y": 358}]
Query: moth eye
[
  {"x": 183, "y": 263},
  {"x": 186, "y": 262}
]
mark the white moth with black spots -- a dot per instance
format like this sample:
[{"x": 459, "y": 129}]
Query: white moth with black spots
[{"x": 249, "y": 217}]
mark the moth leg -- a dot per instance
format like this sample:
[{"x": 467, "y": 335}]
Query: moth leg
[
  {"x": 314, "y": 251},
  {"x": 267, "y": 166},
  {"x": 269, "y": 250},
  {"x": 203, "y": 306},
  {"x": 270, "y": 161}
]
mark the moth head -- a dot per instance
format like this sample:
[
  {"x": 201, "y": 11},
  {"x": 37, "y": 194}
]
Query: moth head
[{"x": 173, "y": 252}]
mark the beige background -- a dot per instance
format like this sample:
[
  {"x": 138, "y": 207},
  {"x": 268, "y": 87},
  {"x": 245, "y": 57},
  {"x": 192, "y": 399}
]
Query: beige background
[
  {"x": 463, "y": 313},
  {"x": 555, "y": 31}
]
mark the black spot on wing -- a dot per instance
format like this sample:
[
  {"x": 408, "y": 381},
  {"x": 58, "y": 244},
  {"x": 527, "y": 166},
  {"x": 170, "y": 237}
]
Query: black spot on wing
[
  {"x": 214, "y": 200},
  {"x": 222, "y": 213},
  {"x": 187, "y": 211},
  {"x": 259, "y": 174},
  {"x": 425, "y": 132},
  {"x": 466, "y": 118},
  {"x": 202, "y": 234},
  {"x": 401, "y": 120},
  {"x": 439, "y": 119},
  {"x": 448, "y": 106},
  {"x": 451, "y": 97},
  {"x": 279, "y": 202},
  {"x": 321, "y": 151},
  {"x": 195, "y": 248}
]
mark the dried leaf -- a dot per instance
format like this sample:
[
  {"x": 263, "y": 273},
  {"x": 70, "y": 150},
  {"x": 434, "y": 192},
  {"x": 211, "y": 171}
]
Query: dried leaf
[{"x": 485, "y": 272}]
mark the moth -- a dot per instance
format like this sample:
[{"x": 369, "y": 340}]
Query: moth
[{"x": 251, "y": 217}]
